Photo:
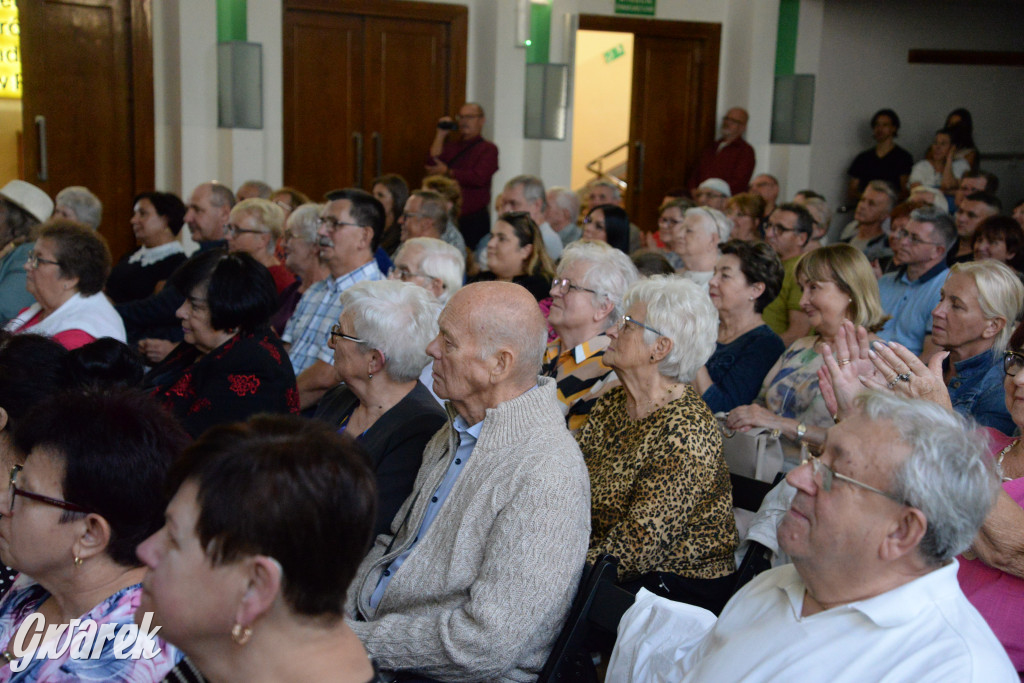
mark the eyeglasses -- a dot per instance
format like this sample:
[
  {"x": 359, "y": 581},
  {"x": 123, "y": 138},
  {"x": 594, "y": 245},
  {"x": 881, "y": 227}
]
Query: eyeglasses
[
  {"x": 333, "y": 223},
  {"x": 914, "y": 239},
  {"x": 561, "y": 286},
  {"x": 1012, "y": 362},
  {"x": 34, "y": 260},
  {"x": 710, "y": 194},
  {"x": 336, "y": 332},
  {"x": 230, "y": 229},
  {"x": 777, "y": 227},
  {"x": 669, "y": 221},
  {"x": 828, "y": 474},
  {"x": 284, "y": 205},
  {"x": 626, "y": 319},
  {"x": 405, "y": 275},
  {"x": 463, "y": 117},
  {"x": 56, "y": 502},
  {"x": 413, "y": 214}
]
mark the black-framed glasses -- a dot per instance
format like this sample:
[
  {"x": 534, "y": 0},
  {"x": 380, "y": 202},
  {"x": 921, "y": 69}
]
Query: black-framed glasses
[
  {"x": 405, "y": 275},
  {"x": 561, "y": 286},
  {"x": 34, "y": 260},
  {"x": 777, "y": 227},
  {"x": 621, "y": 325},
  {"x": 828, "y": 475},
  {"x": 333, "y": 223},
  {"x": 56, "y": 502},
  {"x": 336, "y": 332},
  {"x": 231, "y": 230},
  {"x": 902, "y": 234},
  {"x": 1012, "y": 362}
]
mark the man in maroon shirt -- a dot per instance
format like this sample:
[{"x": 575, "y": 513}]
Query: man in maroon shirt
[
  {"x": 472, "y": 161},
  {"x": 729, "y": 158}
]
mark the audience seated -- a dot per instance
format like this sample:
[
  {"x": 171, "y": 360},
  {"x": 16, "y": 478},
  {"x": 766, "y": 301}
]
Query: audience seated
[
  {"x": 516, "y": 253},
  {"x": 974, "y": 208},
  {"x": 712, "y": 193},
  {"x": 872, "y": 592},
  {"x": 652, "y": 262},
  {"x": 253, "y": 189},
  {"x": 661, "y": 497},
  {"x": 1000, "y": 238},
  {"x": 745, "y": 210},
  {"x": 586, "y": 299},
  {"x": 838, "y": 285},
  {"x": 22, "y": 207},
  {"x": 960, "y": 124},
  {"x": 79, "y": 204},
  {"x": 766, "y": 186},
  {"x": 526, "y": 193},
  {"x": 602, "y": 191},
  {"x": 747, "y": 277},
  {"x": 231, "y": 364},
  {"x": 608, "y": 223},
  {"x": 255, "y": 592},
  {"x": 89, "y": 490},
  {"x": 301, "y": 257},
  {"x": 254, "y": 228},
  {"x": 66, "y": 270},
  {"x": 563, "y": 213},
  {"x": 428, "y": 214},
  {"x": 451, "y": 196},
  {"x": 379, "y": 347},
  {"x": 975, "y": 181},
  {"x": 289, "y": 199},
  {"x": 350, "y": 225},
  {"x": 1018, "y": 213},
  {"x": 911, "y": 292},
  {"x": 157, "y": 218},
  {"x": 696, "y": 241},
  {"x": 788, "y": 230},
  {"x": 499, "y": 517},
  {"x": 822, "y": 215},
  {"x": 941, "y": 168},
  {"x": 886, "y": 161},
  {"x": 671, "y": 214},
  {"x": 869, "y": 227},
  {"x": 392, "y": 192}
]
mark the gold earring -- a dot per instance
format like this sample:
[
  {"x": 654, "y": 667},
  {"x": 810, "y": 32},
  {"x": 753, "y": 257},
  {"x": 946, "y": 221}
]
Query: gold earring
[
  {"x": 241, "y": 634},
  {"x": 78, "y": 561}
]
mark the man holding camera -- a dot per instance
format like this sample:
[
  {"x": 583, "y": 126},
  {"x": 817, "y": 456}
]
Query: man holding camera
[{"x": 472, "y": 162}]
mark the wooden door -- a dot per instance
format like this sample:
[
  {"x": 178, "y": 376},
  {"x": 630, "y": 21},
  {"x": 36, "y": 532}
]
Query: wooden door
[
  {"x": 392, "y": 69},
  {"x": 673, "y": 110},
  {"x": 87, "y": 68}
]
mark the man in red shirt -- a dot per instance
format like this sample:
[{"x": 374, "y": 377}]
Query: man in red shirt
[{"x": 729, "y": 158}]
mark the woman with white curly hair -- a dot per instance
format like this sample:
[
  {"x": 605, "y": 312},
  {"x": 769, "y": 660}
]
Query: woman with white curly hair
[
  {"x": 696, "y": 242},
  {"x": 661, "y": 498}
]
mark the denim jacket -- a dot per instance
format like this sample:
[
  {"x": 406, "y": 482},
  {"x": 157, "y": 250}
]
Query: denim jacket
[{"x": 977, "y": 390}]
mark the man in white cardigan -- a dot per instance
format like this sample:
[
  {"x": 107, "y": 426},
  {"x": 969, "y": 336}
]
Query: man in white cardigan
[{"x": 482, "y": 561}]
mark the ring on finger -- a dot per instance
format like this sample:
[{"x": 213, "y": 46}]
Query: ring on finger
[
  {"x": 844, "y": 361},
  {"x": 903, "y": 377},
  {"x": 893, "y": 382}
]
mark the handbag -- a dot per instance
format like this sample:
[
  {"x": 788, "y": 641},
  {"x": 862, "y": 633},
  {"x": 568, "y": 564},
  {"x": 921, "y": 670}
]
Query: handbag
[{"x": 755, "y": 454}]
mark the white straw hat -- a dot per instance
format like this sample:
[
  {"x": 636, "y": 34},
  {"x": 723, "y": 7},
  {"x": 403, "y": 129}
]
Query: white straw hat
[{"x": 28, "y": 197}]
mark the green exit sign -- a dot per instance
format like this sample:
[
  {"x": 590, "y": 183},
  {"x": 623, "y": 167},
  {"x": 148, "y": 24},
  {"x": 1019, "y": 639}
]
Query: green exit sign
[
  {"x": 644, "y": 7},
  {"x": 614, "y": 53}
]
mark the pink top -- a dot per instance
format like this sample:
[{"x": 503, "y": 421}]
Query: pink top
[{"x": 998, "y": 596}]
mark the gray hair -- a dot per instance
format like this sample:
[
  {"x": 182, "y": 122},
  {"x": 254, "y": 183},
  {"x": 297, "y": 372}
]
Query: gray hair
[
  {"x": 1000, "y": 294},
  {"x": 263, "y": 191},
  {"x": 616, "y": 190},
  {"x": 682, "y": 311},
  {"x": 87, "y": 207},
  {"x": 433, "y": 209},
  {"x": 947, "y": 475},
  {"x": 533, "y": 189},
  {"x": 398, "y": 319},
  {"x": 940, "y": 221},
  {"x": 440, "y": 260},
  {"x": 609, "y": 271},
  {"x": 567, "y": 200},
  {"x": 820, "y": 212},
  {"x": 885, "y": 188},
  {"x": 713, "y": 220},
  {"x": 304, "y": 221}
]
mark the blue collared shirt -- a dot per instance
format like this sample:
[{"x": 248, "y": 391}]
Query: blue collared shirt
[
  {"x": 468, "y": 436},
  {"x": 910, "y": 304},
  {"x": 977, "y": 391}
]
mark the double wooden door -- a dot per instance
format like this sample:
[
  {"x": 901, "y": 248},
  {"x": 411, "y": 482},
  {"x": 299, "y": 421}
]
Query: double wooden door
[
  {"x": 672, "y": 117},
  {"x": 88, "y": 103},
  {"x": 364, "y": 85}
]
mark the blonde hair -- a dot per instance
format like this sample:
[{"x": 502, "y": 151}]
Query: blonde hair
[
  {"x": 267, "y": 214},
  {"x": 1000, "y": 294},
  {"x": 849, "y": 269}
]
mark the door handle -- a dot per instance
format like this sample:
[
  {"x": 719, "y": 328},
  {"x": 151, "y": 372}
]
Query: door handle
[
  {"x": 358, "y": 137},
  {"x": 640, "y": 149},
  {"x": 43, "y": 173},
  {"x": 378, "y": 143}
]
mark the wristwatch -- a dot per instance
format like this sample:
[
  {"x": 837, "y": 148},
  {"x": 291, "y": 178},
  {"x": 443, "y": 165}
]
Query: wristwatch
[{"x": 801, "y": 429}]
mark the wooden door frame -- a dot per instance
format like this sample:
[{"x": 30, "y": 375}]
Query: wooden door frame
[{"x": 143, "y": 125}]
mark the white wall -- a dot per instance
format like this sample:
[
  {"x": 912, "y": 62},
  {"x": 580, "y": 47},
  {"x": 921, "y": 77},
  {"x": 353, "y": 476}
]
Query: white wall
[{"x": 862, "y": 67}]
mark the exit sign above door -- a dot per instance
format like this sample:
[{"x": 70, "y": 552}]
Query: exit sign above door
[{"x": 643, "y": 7}]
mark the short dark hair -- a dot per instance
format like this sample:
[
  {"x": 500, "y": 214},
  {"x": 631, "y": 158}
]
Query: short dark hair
[
  {"x": 991, "y": 179},
  {"x": 316, "y": 500},
  {"x": 366, "y": 210},
  {"x": 116, "y": 446},
  {"x": 31, "y": 371},
  {"x": 758, "y": 263},
  {"x": 893, "y": 116},
  {"x": 397, "y": 188},
  {"x": 804, "y": 219},
  {"x": 1008, "y": 230},
  {"x": 80, "y": 252},
  {"x": 986, "y": 197},
  {"x": 239, "y": 289},
  {"x": 104, "y": 363},
  {"x": 616, "y": 225},
  {"x": 168, "y": 205},
  {"x": 650, "y": 262}
]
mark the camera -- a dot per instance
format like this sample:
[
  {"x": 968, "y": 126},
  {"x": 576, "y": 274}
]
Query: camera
[{"x": 448, "y": 125}]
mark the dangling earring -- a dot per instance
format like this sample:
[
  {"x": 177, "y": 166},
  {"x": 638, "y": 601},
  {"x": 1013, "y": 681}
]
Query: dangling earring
[{"x": 241, "y": 634}]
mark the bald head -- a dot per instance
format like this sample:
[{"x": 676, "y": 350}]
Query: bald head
[
  {"x": 504, "y": 315},
  {"x": 734, "y": 123}
]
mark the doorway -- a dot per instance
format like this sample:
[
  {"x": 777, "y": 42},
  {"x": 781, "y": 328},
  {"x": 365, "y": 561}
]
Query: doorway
[{"x": 664, "y": 75}]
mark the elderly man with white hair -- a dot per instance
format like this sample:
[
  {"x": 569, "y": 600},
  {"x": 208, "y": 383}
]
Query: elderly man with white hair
[
  {"x": 476, "y": 574},
  {"x": 302, "y": 258},
  {"x": 586, "y": 299},
  {"x": 696, "y": 241},
  {"x": 901, "y": 487},
  {"x": 563, "y": 214},
  {"x": 77, "y": 203}
]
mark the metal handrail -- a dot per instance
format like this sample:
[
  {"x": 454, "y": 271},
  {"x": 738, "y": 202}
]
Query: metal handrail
[{"x": 596, "y": 165}]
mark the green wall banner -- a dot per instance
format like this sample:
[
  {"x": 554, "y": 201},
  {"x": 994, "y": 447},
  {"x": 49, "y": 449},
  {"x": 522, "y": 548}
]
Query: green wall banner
[{"x": 643, "y": 7}]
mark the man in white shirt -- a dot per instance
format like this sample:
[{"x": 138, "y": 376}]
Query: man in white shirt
[{"x": 899, "y": 490}]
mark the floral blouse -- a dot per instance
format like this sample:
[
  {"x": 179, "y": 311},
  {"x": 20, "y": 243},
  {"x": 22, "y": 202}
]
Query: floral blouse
[{"x": 25, "y": 598}]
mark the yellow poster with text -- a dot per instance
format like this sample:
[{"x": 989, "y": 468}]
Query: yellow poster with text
[{"x": 10, "y": 50}]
